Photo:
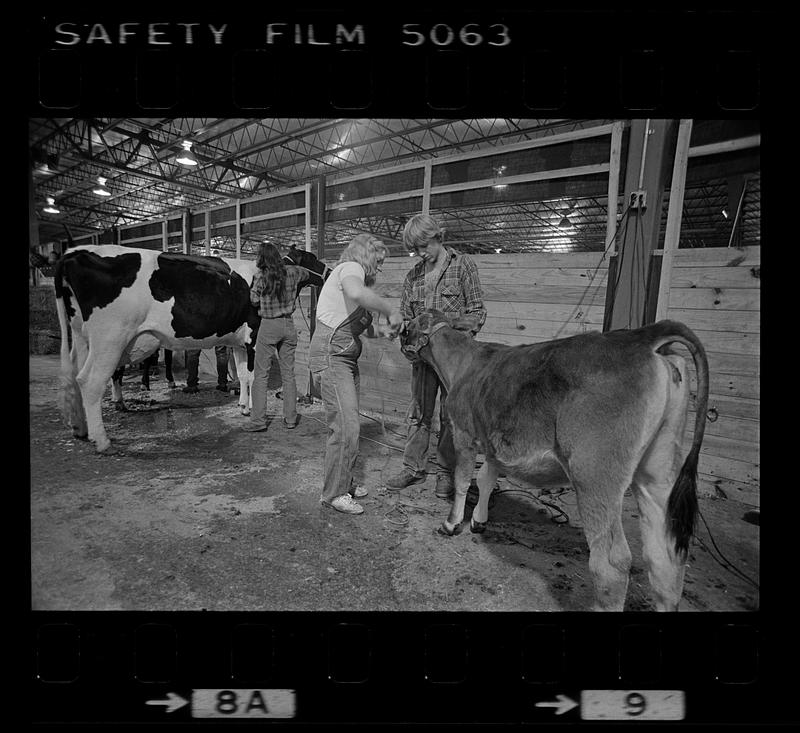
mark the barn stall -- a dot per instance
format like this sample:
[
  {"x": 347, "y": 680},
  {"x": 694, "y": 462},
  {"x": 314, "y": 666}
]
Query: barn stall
[{"x": 191, "y": 512}]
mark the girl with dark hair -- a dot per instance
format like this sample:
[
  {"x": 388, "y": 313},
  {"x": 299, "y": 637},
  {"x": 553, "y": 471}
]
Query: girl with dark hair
[{"x": 273, "y": 292}]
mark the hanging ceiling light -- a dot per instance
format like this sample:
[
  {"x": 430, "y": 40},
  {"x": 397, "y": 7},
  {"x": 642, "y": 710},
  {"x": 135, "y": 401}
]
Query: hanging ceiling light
[
  {"x": 51, "y": 206},
  {"x": 498, "y": 173},
  {"x": 186, "y": 157},
  {"x": 100, "y": 189},
  {"x": 565, "y": 223}
]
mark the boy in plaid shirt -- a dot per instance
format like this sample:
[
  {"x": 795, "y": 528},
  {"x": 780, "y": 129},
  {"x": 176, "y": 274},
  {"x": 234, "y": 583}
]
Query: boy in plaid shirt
[{"x": 447, "y": 281}]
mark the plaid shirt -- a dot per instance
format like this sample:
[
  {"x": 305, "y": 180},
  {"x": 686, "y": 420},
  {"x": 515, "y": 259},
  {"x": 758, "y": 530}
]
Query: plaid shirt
[
  {"x": 458, "y": 290},
  {"x": 271, "y": 307}
]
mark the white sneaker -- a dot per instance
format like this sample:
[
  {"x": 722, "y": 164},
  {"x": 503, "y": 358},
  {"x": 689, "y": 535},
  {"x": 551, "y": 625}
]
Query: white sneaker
[
  {"x": 345, "y": 503},
  {"x": 359, "y": 492}
]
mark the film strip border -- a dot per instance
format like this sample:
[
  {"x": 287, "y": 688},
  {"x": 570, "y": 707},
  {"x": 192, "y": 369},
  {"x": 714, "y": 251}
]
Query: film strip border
[
  {"x": 455, "y": 668},
  {"x": 596, "y": 63}
]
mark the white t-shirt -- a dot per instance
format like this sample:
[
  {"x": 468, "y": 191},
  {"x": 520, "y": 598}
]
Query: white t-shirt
[{"x": 333, "y": 305}]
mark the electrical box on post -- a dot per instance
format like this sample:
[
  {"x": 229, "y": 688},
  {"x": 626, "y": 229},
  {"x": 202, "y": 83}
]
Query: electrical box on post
[{"x": 638, "y": 199}]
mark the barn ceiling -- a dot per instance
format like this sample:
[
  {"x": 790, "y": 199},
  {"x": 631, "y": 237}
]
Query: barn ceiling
[{"x": 240, "y": 158}]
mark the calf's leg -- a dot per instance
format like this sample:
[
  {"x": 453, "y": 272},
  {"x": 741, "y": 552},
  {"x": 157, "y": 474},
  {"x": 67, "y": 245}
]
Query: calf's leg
[
  {"x": 462, "y": 477},
  {"x": 652, "y": 483},
  {"x": 487, "y": 475},
  {"x": 599, "y": 491}
]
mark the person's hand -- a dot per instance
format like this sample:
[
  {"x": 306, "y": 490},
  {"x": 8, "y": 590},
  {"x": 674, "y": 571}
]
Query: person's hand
[
  {"x": 386, "y": 331},
  {"x": 396, "y": 320}
]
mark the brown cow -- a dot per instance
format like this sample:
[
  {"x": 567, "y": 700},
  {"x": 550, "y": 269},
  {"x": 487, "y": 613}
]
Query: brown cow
[{"x": 599, "y": 411}]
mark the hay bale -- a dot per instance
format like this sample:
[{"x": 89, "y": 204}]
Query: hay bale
[{"x": 42, "y": 314}]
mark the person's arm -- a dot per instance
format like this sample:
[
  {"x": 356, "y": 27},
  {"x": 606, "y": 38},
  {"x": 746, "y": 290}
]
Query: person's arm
[
  {"x": 255, "y": 290},
  {"x": 405, "y": 298},
  {"x": 361, "y": 295},
  {"x": 473, "y": 294}
]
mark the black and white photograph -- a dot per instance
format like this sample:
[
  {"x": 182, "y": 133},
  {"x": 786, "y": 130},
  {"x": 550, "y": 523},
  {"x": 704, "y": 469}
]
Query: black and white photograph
[{"x": 394, "y": 364}]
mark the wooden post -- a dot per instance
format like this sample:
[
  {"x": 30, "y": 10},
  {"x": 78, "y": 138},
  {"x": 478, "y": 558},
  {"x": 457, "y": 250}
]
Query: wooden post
[
  {"x": 613, "y": 183},
  {"x": 308, "y": 217},
  {"x": 33, "y": 222},
  {"x": 650, "y": 155},
  {"x": 238, "y": 229},
  {"x": 674, "y": 216},
  {"x": 320, "y": 220},
  {"x": 186, "y": 229},
  {"x": 426, "y": 187},
  {"x": 164, "y": 235},
  {"x": 321, "y": 217},
  {"x": 207, "y": 233}
]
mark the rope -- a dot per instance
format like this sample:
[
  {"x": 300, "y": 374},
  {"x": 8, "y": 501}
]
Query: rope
[
  {"x": 383, "y": 425},
  {"x": 726, "y": 564},
  {"x": 593, "y": 275},
  {"x": 738, "y": 211}
]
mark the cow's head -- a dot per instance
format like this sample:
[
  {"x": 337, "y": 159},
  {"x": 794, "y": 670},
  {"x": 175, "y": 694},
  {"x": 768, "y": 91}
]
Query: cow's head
[
  {"x": 416, "y": 334},
  {"x": 318, "y": 270}
]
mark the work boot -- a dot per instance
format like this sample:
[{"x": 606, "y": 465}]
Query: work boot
[
  {"x": 444, "y": 486},
  {"x": 403, "y": 479},
  {"x": 254, "y": 428}
]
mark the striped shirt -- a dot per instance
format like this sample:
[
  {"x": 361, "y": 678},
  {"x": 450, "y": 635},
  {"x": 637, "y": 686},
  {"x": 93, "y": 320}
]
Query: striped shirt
[
  {"x": 273, "y": 307},
  {"x": 456, "y": 291}
]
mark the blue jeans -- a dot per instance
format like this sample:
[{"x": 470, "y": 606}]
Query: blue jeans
[
  {"x": 424, "y": 386},
  {"x": 192, "y": 357},
  {"x": 333, "y": 362},
  {"x": 277, "y": 339}
]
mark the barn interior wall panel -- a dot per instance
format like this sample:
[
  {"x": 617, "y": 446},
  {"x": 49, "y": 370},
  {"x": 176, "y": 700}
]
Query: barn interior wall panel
[{"x": 716, "y": 292}]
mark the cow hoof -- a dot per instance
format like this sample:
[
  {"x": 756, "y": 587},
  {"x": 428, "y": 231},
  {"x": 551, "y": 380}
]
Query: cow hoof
[
  {"x": 120, "y": 407},
  {"x": 144, "y": 389},
  {"x": 449, "y": 530},
  {"x": 171, "y": 385},
  {"x": 477, "y": 527},
  {"x": 80, "y": 436},
  {"x": 244, "y": 410}
]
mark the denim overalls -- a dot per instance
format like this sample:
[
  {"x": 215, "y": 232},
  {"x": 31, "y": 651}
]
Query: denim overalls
[{"x": 333, "y": 362}]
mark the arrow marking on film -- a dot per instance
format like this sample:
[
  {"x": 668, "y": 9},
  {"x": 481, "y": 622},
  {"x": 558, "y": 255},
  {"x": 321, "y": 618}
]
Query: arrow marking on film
[
  {"x": 173, "y": 702},
  {"x": 562, "y": 705}
]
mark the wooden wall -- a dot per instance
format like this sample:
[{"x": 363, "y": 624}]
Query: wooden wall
[{"x": 716, "y": 292}]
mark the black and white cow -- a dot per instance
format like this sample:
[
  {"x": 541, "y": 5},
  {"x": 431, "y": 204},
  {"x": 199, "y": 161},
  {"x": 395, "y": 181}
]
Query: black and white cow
[{"x": 121, "y": 304}]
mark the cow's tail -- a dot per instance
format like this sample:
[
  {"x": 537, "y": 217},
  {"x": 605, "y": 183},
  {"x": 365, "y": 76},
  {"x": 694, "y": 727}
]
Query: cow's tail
[
  {"x": 682, "y": 506},
  {"x": 70, "y": 401}
]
